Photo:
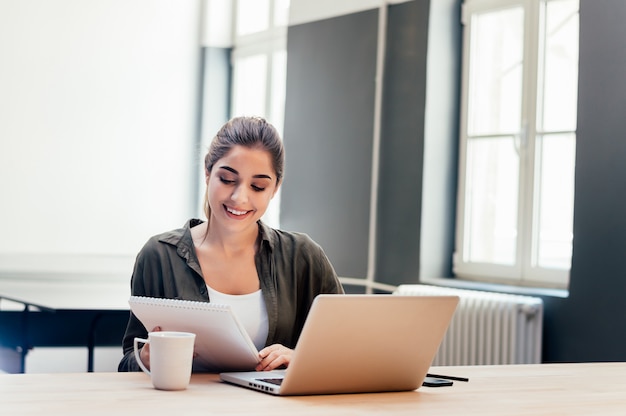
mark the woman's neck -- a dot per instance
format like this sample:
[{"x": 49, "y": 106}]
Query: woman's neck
[{"x": 230, "y": 243}]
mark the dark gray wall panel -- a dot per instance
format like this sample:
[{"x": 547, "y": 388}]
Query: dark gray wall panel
[
  {"x": 589, "y": 325},
  {"x": 328, "y": 135},
  {"x": 402, "y": 148}
]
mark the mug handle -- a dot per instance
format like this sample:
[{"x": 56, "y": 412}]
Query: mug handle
[{"x": 137, "y": 357}]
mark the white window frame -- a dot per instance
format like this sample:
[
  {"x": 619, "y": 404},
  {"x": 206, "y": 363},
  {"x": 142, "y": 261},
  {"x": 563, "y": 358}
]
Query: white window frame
[{"x": 523, "y": 272}]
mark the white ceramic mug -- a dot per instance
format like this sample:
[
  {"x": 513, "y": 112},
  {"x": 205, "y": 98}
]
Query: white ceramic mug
[{"x": 171, "y": 357}]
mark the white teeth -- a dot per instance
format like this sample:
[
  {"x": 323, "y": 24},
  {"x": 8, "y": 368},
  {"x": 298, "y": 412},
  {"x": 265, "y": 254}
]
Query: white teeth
[{"x": 234, "y": 211}]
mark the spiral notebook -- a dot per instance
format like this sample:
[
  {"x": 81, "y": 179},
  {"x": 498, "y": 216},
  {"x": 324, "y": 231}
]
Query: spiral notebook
[{"x": 222, "y": 343}]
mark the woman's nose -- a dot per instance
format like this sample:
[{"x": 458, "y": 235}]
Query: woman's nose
[{"x": 239, "y": 194}]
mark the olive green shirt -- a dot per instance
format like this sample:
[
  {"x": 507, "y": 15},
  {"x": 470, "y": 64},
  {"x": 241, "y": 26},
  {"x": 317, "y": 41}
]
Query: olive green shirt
[{"x": 292, "y": 270}]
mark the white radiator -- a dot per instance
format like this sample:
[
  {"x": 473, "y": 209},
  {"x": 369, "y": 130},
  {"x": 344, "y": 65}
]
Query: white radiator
[{"x": 488, "y": 328}]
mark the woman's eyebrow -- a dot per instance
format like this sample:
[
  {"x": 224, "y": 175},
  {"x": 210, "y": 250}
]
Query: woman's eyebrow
[
  {"x": 228, "y": 168},
  {"x": 259, "y": 176}
]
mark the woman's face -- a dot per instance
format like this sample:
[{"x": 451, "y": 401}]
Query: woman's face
[{"x": 240, "y": 187}]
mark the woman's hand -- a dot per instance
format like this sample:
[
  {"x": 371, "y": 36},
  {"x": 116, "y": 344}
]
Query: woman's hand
[
  {"x": 144, "y": 353},
  {"x": 274, "y": 356}
]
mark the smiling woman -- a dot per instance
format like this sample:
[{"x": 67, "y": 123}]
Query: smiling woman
[
  {"x": 268, "y": 276},
  {"x": 258, "y": 146}
]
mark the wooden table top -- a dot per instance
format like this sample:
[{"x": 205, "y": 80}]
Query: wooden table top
[{"x": 542, "y": 389}]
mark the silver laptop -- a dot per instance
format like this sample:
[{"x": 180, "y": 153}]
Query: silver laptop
[{"x": 359, "y": 344}]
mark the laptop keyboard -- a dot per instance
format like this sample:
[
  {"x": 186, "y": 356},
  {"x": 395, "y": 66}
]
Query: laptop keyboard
[{"x": 277, "y": 381}]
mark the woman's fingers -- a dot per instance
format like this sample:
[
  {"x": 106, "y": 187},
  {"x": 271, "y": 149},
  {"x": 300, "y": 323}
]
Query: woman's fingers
[
  {"x": 274, "y": 356},
  {"x": 144, "y": 354}
]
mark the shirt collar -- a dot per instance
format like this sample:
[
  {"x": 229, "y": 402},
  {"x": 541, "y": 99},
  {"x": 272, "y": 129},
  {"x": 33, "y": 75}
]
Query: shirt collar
[
  {"x": 181, "y": 237},
  {"x": 267, "y": 236}
]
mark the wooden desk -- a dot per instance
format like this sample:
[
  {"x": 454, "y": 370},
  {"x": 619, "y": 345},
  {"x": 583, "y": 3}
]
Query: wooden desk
[
  {"x": 541, "y": 389},
  {"x": 99, "y": 297}
]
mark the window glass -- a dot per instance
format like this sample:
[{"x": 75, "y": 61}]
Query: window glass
[
  {"x": 496, "y": 72},
  {"x": 250, "y": 79},
  {"x": 281, "y": 12},
  {"x": 252, "y": 16},
  {"x": 279, "y": 76},
  {"x": 560, "y": 68},
  {"x": 491, "y": 200},
  {"x": 556, "y": 156}
]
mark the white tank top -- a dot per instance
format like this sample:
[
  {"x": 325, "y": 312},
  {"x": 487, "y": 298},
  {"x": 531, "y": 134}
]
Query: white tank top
[{"x": 250, "y": 311}]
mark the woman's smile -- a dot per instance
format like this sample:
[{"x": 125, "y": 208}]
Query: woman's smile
[{"x": 235, "y": 213}]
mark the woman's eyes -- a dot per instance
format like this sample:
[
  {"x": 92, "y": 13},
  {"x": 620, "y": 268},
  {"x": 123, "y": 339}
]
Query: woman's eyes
[{"x": 256, "y": 188}]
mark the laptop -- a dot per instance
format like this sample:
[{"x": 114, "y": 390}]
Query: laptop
[{"x": 359, "y": 344}]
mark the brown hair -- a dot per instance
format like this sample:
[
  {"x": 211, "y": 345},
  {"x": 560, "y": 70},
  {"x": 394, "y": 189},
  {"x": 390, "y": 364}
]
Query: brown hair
[{"x": 251, "y": 132}]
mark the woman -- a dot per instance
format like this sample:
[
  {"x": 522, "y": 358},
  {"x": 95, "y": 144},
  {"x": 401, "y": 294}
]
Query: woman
[{"x": 269, "y": 277}]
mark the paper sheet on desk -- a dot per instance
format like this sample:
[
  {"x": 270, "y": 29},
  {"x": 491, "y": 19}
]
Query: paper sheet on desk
[{"x": 222, "y": 344}]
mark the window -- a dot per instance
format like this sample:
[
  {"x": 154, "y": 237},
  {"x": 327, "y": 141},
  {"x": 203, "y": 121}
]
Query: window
[
  {"x": 260, "y": 67},
  {"x": 517, "y": 141}
]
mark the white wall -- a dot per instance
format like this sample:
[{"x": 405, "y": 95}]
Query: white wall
[{"x": 99, "y": 108}]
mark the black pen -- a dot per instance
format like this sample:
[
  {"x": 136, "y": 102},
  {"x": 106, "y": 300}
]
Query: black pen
[{"x": 447, "y": 377}]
